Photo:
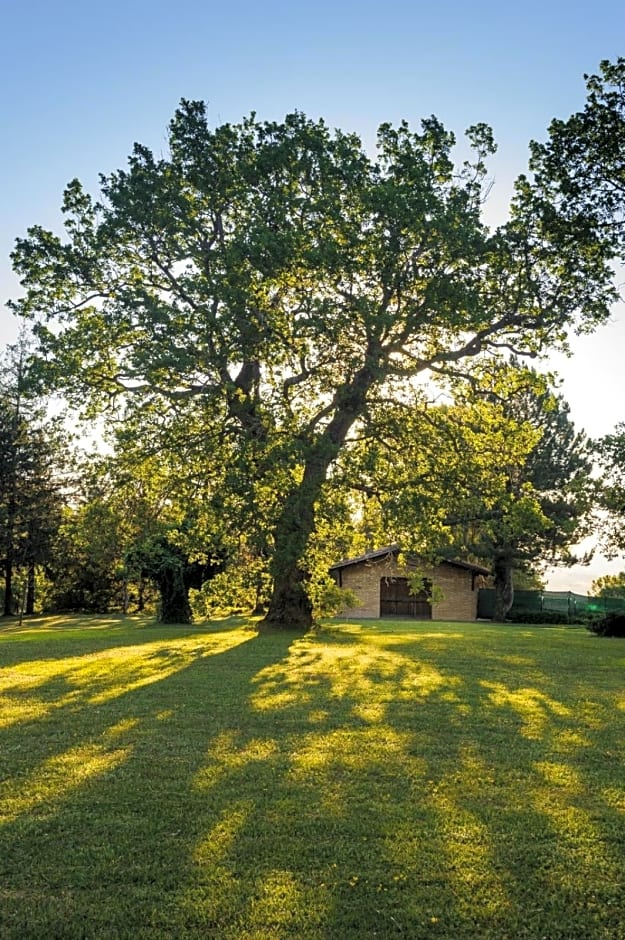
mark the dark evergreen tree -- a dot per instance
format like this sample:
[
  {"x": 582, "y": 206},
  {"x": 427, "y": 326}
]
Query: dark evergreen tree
[{"x": 33, "y": 456}]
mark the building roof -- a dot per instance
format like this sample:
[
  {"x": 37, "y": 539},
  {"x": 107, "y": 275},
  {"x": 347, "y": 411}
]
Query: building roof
[{"x": 394, "y": 550}]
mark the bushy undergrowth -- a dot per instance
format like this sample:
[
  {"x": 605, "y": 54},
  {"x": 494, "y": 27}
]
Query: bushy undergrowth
[
  {"x": 581, "y": 618},
  {"x": 613, "y": 624},
  {"x": 330, "y": 600},
  {"x": 226, "y": 593},
  {"x": 229, "y": 593},
  {"x": 538, "y": 616}
]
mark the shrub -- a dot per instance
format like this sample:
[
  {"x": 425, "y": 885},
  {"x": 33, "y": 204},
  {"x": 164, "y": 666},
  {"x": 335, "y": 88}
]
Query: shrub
[
  {"x": 582, "y": 618},
  {"x": 329, "y": 599},
  {"x": 613, "y": 624},
  {"x": 538, "y": 616},
  {"x": 225, "y": 593}
]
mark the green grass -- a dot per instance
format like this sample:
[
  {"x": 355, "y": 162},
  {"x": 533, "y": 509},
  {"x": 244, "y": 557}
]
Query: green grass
[{"x": 372, "y": 780}]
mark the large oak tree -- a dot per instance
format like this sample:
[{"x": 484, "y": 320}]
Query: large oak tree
[{"x": 289, "y": 280}]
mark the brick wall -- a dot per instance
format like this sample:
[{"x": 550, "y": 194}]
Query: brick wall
[{"x": 459, "y": 601}]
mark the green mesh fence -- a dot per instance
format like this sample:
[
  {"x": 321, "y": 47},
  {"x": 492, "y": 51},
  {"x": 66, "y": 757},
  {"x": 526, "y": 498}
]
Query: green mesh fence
[{"x": 564, "y": 602}]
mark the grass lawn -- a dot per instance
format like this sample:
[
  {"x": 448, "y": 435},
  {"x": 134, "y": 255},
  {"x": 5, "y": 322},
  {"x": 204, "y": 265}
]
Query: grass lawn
[{"x": 372, "y": 780}]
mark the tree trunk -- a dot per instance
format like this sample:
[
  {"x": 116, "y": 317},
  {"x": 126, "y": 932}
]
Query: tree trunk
[
  {"x": 290, "y": 607},
  {"x": 11, "y": 514},
  {"x": 8, "y": 582},
  {"x": 260, "y": 607},
  {"x": 174, "y": 605},
  {"x": 30, "y": 590},
  {"x": 504, "y": 589}
]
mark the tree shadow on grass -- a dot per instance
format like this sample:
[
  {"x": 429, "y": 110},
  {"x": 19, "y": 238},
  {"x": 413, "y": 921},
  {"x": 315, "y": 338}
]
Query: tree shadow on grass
[
  {"x": 452, "y": 766},
  {"x": 530, "y": 780},
  {"x": 280, "y": 787},
  {"x": 57, "y": 638},
  {"x": 96, "y": 797}
]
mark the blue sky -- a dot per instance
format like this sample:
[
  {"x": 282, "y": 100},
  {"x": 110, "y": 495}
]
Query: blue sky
[{"x": 80, "y": 82}]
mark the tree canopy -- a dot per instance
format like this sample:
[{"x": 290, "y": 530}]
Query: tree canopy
[
  {"x": 583, "y": 159},
  {"x": 271, "y": 285},
  {"x": 609, "y": 585}
]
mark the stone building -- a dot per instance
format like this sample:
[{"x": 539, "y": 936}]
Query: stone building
[{"x": 382, "y": 587}]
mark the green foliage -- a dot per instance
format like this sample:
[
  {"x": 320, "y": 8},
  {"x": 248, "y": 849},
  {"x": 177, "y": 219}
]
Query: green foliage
[
  {"x": 87, "y": 565},
  {"x": 163, "y": 560},
  {"x": 613, "y": 624},
  {"x": 227, "y": 592},
  {"x": 556, "y": 476},
  {"x": 330, "y": 600},
  {"x": 165, "y": 563},
  {"x": 419, "y": 583},
  {"x": 529, "y": 579},
  {"x": 583, "y": 160},
  {"x": 334, "y": 537},
  {"x": 610, "y": 452},
  {"x": 609, "y": 585}
]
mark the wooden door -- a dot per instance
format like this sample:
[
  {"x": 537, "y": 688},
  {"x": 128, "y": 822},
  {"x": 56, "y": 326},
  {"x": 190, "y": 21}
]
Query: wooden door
[{"x": 396, "y": 600}]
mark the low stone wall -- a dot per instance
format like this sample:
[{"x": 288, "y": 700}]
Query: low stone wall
[{"x": 459, "y": 596}]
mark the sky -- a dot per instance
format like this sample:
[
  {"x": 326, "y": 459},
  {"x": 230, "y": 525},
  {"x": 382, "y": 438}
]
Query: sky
[{"x": 82, "y": 81}]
